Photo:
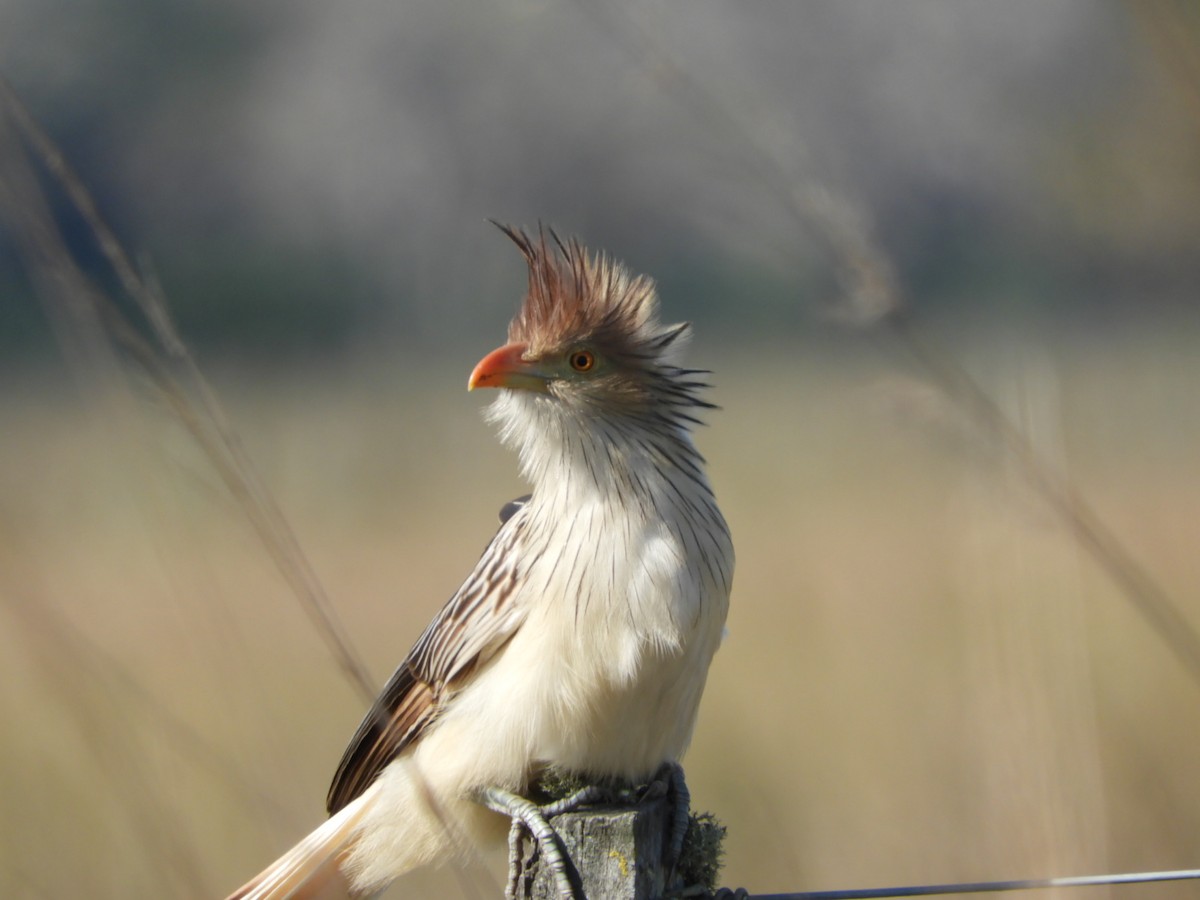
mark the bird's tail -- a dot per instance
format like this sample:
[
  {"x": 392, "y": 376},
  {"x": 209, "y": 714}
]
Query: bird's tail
[{"x": 310, "y": 870}]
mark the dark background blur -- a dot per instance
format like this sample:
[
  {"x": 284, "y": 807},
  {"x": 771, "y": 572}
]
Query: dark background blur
[
  {"x": 307, "y": 176},
  {"x": 928, "y": 677}
]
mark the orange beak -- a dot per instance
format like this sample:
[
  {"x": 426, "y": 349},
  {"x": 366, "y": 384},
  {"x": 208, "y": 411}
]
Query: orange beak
[{"x": 507, "y": 367}]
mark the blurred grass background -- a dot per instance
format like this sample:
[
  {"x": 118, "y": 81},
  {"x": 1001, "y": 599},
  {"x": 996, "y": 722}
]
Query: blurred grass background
[{"x": 926, "y": 678}]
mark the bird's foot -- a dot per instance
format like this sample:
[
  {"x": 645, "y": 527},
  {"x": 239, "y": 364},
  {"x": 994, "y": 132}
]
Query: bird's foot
[
  {"x": 528, "y": 816},
  {"x": 669, "y": 782},
  {"x": 585, "y": 796}
]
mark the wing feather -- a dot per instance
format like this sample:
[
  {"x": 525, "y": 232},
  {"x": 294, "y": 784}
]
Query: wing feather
[{"x": 476, "y": 622}]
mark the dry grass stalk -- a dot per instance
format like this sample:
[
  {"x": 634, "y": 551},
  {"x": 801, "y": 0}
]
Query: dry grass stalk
[{"x": 91, "y": 325}]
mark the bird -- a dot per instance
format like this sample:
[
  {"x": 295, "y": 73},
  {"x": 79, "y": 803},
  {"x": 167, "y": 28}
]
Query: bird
[{"x": 582, "y": 639}]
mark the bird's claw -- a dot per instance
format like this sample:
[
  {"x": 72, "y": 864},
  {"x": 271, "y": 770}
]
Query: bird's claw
[
  {"x": 528, "y": 816},
  {"x": 592, "y": 794},
  {"x": 669, "y": 781}
]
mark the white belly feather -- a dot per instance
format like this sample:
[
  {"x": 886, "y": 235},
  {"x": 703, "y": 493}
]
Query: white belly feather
[{"x": 605, "y": 675}]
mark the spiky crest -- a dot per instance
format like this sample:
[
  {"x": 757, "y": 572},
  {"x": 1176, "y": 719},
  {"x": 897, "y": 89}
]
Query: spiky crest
[{"x": 575, "y": 296}]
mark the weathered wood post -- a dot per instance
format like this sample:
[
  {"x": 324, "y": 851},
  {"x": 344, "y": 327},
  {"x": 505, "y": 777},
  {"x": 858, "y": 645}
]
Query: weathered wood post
[{"x": 619, "y": 852}]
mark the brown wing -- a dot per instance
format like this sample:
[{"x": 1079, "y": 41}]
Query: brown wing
[{"x": 470, "y": 629}]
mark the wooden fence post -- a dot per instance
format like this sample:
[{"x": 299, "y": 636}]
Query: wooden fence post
[{"x": 617, "y": 853}]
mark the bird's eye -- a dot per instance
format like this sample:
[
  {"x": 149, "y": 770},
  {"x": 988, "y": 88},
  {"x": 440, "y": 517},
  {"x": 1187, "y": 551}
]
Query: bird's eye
[{"x": 582, "y": 360}]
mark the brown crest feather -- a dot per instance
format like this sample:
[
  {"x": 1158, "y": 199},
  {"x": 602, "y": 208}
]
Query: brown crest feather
[{"x": 575, "y": 296}]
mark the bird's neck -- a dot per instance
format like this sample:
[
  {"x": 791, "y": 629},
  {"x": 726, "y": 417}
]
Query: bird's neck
[{"x": 581, "y": 461}]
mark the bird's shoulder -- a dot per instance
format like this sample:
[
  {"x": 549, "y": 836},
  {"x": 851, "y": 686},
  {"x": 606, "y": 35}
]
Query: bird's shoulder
[{"x": 510, "y": 509}]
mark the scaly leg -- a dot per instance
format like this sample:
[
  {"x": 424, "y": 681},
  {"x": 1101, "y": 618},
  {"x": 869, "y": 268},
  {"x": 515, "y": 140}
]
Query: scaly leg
[
  {"x": 669, "y": 781},
  {"x": 526, "y": 813}
]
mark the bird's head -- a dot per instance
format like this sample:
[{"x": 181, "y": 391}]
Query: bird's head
[{"x": 587, "y": 359}]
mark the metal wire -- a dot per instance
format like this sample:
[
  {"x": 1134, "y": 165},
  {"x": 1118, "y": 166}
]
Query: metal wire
[{"x": 982, "y": 887}]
